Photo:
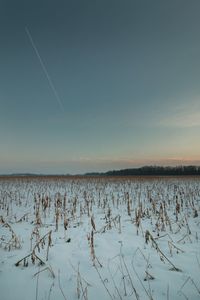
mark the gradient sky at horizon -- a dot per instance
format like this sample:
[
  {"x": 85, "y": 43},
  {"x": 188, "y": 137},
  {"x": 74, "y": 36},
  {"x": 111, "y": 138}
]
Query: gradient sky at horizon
[{"x": 127, "y": 74}]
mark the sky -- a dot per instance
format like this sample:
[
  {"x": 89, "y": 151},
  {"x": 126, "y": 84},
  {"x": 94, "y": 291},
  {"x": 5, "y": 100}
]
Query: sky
[{"x": 98, "y": 85}]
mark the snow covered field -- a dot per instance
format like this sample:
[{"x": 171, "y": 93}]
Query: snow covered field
[{"x": 99, "y": 238}]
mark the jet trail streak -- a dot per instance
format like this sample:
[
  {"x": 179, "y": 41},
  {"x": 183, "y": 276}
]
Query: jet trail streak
[{"x": 44, "y": 69}]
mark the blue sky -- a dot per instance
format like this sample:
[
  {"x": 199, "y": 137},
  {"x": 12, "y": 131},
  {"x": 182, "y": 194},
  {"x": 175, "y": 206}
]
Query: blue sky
[{"x": 127, "y": 75}]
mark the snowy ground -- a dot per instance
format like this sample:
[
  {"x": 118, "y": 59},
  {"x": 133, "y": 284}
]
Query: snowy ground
[{"x": 108, "y": 238}]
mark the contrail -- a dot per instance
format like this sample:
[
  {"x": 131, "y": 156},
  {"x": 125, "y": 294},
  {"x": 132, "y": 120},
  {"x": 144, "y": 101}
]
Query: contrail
[{"x": 44, "y": 69}]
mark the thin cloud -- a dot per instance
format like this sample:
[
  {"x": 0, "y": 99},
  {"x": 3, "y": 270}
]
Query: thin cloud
[
  {"x": 126, "y": 162},
  {"x": 183, "y": 116}
]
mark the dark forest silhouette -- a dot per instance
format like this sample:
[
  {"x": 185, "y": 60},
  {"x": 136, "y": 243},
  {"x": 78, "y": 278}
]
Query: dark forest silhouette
[{"x": 154, "y": 171}]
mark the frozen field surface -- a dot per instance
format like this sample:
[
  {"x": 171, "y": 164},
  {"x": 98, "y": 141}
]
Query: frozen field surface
[{"x": 99, "y": 238}]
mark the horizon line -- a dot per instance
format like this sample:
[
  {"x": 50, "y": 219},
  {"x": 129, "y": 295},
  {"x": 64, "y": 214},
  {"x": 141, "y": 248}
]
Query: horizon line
[{"x": 95, "y": 172}]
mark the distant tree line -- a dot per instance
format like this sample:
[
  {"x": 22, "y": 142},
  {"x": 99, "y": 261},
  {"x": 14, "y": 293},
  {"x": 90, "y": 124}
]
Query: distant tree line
[{"x": 154, "y": 171}]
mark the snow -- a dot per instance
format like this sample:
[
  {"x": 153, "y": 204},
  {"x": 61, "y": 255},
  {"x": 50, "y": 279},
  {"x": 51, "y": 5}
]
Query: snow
[{"x": 109, "y": 209}]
